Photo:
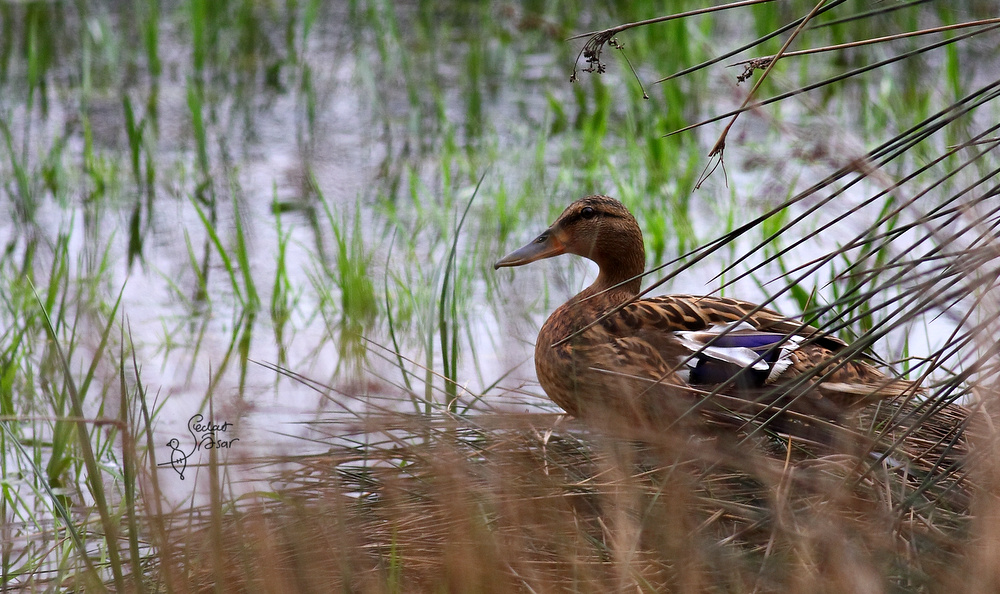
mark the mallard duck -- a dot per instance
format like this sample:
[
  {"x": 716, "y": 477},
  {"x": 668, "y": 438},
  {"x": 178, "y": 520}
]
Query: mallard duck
[{"x": 656, "y": 357}]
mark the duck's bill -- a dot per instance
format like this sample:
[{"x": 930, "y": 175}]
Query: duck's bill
[{"x": 545, "y": 246}]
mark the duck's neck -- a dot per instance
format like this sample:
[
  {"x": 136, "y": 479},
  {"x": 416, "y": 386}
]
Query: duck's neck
[{"x": 618, "y": 279}]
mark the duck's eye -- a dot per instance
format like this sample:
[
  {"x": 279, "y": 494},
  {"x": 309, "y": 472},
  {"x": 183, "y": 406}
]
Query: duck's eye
[{"x": 588, "y": 212}]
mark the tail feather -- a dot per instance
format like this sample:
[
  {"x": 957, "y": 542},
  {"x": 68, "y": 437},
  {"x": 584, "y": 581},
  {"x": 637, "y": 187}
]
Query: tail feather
[{"x": 871, "y": 391}]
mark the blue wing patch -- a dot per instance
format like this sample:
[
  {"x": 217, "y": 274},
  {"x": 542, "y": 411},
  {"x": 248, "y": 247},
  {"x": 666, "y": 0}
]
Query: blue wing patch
[{"x": 737, "y": 350}]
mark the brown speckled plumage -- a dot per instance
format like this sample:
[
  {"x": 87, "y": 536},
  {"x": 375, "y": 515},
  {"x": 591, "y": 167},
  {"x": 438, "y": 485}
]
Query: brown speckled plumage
[{"x": 636, "y": 363}]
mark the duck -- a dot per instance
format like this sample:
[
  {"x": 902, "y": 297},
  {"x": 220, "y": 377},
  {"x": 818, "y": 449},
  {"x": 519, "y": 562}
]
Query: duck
[{"x": 609, "y": 354}]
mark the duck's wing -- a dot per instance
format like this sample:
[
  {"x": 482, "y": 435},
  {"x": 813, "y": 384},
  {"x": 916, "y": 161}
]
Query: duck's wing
[
  {"x": 690, "y": 312},
  {"x": 739, "y": 345}
]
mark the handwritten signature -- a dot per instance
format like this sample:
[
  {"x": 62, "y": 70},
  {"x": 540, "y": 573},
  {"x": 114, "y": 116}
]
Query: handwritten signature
[{"x": 205, "y": 434}]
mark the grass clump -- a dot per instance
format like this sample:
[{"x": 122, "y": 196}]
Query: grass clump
[{"x": 508, "y": 503}]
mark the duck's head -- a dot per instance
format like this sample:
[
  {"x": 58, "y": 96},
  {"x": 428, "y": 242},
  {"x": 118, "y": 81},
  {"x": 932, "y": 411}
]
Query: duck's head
[{"x": 598, "y": 228}]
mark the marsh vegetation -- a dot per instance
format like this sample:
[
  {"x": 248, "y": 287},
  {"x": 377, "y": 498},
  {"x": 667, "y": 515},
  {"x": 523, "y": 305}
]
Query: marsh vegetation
[{"x": 283, "y": 216}]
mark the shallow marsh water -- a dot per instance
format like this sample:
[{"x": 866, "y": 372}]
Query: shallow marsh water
[{"x": 272, "y": 182}]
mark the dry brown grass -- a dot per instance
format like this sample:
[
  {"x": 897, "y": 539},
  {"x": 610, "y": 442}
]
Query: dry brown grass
[{"x": 508, "y": 503}]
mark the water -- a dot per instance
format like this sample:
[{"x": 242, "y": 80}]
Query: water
[{"x": 390, "y": 113}]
